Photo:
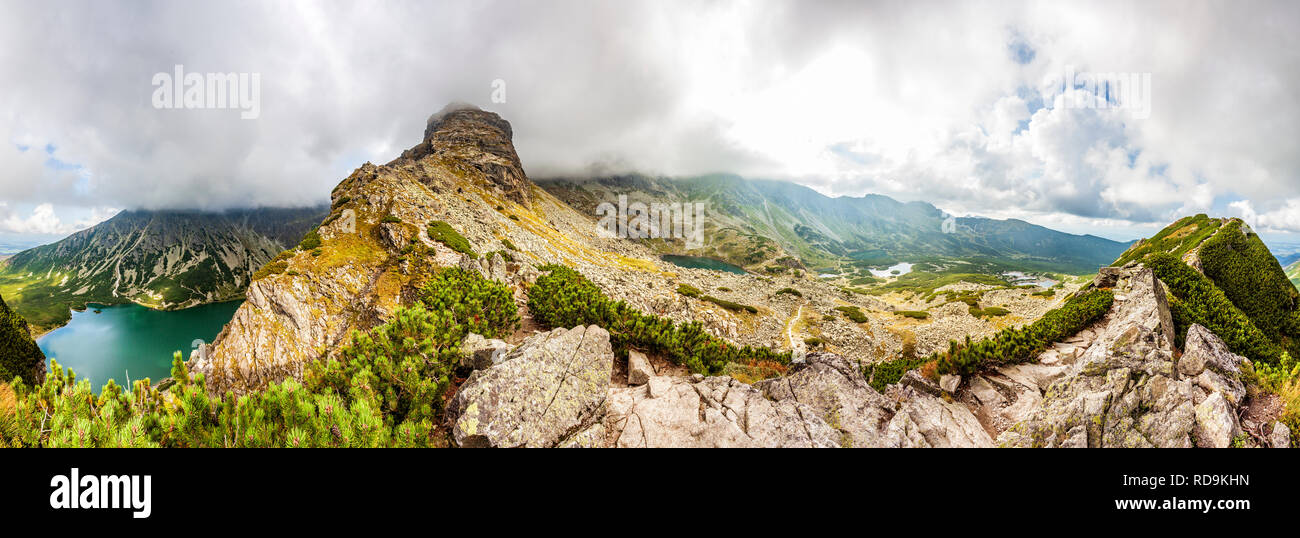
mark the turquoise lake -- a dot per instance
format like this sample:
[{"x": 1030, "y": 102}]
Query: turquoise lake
[
  {"x": 697, "y": 262},
  {"x": 131, "y": 340}
]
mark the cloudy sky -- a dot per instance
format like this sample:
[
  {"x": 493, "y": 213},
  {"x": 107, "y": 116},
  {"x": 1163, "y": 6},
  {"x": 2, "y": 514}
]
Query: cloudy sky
[{"x": 959, "y": 104}]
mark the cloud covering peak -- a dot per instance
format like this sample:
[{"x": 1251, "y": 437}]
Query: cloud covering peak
[{"x": 959, "y": 104}]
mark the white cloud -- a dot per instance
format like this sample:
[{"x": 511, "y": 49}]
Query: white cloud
[
  {"x": 923, "y": 102},
  {"x": 44, "y": 221},
  {"x": 1285, "y": 217}
]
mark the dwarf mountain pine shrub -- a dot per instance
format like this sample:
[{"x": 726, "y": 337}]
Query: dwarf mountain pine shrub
[
  {"x": 563, "y": 297},
  {"x": 385, "y": 388}
]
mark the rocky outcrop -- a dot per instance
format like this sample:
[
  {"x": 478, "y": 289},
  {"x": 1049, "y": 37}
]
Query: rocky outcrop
[
  {"x": 1207, "y": 362},
  {"x": 926, "y": 421},
  {"x": 482, "y": 140},
  {"x": 550, "y": 391},
  {"x": 1280, "y": 437},
  {"x": 1127, "y": 390},
  {"x": 374, "y": 251},
  {"x": 821, "y": 402}
]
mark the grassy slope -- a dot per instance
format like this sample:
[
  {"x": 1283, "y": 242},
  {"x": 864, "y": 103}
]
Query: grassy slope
[
  {"x": 1240, "y": 264},
  {"x": 19, "y": 355},
  {"x": 1178, "y": 239},
  {"x": 1240, "y": 267}
]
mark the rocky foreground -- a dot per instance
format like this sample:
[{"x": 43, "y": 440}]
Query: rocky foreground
[{"x": 1119, "y": 383}]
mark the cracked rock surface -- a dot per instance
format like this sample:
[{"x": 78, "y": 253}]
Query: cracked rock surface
[
  {"x": 711, "y": 412},
  {"x": 549, "y": 391}
]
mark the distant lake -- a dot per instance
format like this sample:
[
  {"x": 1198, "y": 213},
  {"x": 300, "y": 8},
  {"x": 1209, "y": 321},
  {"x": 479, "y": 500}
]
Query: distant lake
[
  {"x": 1018, "y": 278},
  {"x": 902, "y": 268},
  {"x": 699, "y": 262},
  {"x": 131, "y": 339}
]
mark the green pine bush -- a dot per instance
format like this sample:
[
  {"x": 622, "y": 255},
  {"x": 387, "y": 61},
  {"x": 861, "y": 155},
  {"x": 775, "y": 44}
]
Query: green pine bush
[
  {"x": 385, "y": 388},
  {"x": 443, "y": 233},
  {"x": 563, "y": 297}
]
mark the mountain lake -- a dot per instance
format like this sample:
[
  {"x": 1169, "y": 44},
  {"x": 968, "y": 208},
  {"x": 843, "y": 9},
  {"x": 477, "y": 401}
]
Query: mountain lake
[
  {"x": 700, "y": 262},
  {"x": 130, "y": 340},
  {"x": 902, "y": 268}
]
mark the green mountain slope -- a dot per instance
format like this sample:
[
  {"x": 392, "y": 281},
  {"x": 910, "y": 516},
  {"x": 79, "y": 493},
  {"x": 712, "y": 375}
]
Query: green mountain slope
[
  {"x": 159, "y": 259},
  {"x": 19, "y": 355},
  {"x": 1293, "y": 273},
  {"x": 755, "y": 222},
  {"x": 1223, "y": 276}
]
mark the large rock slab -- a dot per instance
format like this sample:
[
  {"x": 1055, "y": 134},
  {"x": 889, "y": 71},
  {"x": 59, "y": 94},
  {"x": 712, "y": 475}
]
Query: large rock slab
[
  {"x": 712, "y": 412},
  {"x": 834, "y": 387},
  {"x": 926, "y": 421},
  {"x": 1212, "y": 367},
  {"x": 1216, "y": 423},
  {"x": 549, "y": 389}
]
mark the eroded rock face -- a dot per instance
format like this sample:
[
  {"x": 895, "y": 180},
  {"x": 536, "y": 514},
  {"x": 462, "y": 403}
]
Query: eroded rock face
[
  {"x": 1216, "y": 422},
  {"x": 549, "y": 391},
  {"x": 713, "y": 412}
]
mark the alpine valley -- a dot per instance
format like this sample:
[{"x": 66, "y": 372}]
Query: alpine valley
[
  {"x": 158, "y": 259},
  {"x": 756, "y": 223},
  {"x": 445, "y": 299}
]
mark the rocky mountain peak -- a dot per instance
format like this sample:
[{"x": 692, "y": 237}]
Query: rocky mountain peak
[{"x": 483, "y": 140}]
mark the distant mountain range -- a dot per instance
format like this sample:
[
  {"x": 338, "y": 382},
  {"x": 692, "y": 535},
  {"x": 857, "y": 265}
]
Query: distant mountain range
[
  {"x": 160, "y": 259},
  {"x": 755, "y": 222}
]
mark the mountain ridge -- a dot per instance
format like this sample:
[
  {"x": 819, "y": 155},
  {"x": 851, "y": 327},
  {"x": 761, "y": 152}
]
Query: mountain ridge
[
  {"x": 459, "y": 199},
  {"x": 763, "y": 220},
  {"x": 164, "y": 259},
  {"x": 391, "y": 325}
]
